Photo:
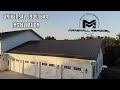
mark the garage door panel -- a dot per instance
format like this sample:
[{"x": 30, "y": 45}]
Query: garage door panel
[
  {"x": 32, "y": 69},
  {"x": 29, "y": 68},
  {"x": 77, "y": 75},
  {"x": 72, "y": 73},
  {"x": 48, "y": 71},
  {"x": 21, "y": 66},
  {"x": 26, "y": 67},
  {"x": 51, "y": 73},
  {"x": 38, "y": 68},
  {"x": 66, "y": 74},
  {"x": 17, "y": 66},
  {"x": 12, "y": 65},
  {"x": 44, "y": 71}
]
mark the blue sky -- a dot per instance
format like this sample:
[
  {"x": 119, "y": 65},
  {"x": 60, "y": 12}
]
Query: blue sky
[{"x": 59, "y": 22}]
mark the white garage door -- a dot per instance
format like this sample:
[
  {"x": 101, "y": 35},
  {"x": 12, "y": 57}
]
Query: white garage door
[
  {"x": 48, "y": 71},
  {"x": 69, "y": 72},
  {"x": 21, "y": 66},
  {"x": 12, "y": 64},
  {"x": 17, "y": 66},
  {"x": 32, "y": 68},
  {"x": 26, "y": 67},
  {"x": 29, "y": 68}
]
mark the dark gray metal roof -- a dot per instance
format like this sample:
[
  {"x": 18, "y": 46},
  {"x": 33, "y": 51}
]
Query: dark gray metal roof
[
  {"x": 82, "y": 49},
  {"x": 4, "y": 35}
]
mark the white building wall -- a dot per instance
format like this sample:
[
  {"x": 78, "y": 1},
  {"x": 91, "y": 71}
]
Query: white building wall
[
  {"x": 99, "y": 65},
  {"x": 84, "y": 64},
  {"x": 15, "y": 40}
]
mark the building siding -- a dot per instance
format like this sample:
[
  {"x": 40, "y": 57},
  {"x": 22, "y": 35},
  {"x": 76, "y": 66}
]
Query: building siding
[
  {"x": 61, "y": 61},
  {"x": 16, "y": 40},
  {"x": 13, "y": 41},
  {"x": 98, "y": 62}
]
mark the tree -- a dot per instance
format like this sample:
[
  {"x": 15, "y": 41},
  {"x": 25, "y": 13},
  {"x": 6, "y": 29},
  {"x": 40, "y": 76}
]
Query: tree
[
  {"x": 109, "y": 41},
  {"x": 82, "y": 38},
  {"x": 65, "y": 39},
  {"x": 50, "y": 38},
  {"x": 90, "y": 37},
  {"x": 118, "y": 36},
  {"x": 99, "y": 37},
  {"x": 118, "y": 39}
]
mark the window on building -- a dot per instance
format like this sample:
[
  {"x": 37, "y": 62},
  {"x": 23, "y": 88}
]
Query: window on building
[
  {"x": 32, "y": 62},
  {"x": 93, "y": 71},
  {"x": 52, "y": 65},
  {"x": 45, "y": 64},
  {"x": 76, "y": 68},
  {"x": 86, "y": 70},
  {"x": 67, "y": 67},
  {"x": 17, "y": 60},
  {"x": 13, "y": 59},
  {"x": 26, "y": 61}
]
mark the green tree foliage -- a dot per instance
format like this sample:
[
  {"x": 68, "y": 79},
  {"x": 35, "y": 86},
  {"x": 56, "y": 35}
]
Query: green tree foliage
[
  {"x": 112, "y": 48},
  {"x": 109, "y": 41},
  {"x": 118, "y": 36},
  {"x": 82, "y": 38},
  {"x": 90, "y": 37},
  {"x": 50, "y": 38}
]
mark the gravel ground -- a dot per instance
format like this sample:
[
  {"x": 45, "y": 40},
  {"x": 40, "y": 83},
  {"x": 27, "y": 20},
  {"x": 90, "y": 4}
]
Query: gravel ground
[{"x": 14, "y": 75}]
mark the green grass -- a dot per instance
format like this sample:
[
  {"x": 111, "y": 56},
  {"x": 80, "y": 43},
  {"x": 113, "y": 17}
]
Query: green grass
[{"x": 111, "y": 73}]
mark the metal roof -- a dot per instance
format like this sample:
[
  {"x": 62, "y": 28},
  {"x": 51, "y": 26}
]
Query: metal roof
[
  {"x": 82, "y": 49},
  {"x": 4, "y": 35}
]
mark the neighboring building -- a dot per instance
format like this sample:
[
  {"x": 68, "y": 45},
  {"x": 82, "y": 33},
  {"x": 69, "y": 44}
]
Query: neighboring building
[
  {"x": 58, "y": 59},
  {"x": 9, "y": 40}
]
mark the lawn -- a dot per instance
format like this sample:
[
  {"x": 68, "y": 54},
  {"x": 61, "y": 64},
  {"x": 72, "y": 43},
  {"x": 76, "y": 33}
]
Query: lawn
[{"x": 111, "y": 73}]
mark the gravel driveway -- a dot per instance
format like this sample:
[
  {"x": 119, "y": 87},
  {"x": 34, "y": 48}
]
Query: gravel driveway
[{"x": 14, "y": 75}]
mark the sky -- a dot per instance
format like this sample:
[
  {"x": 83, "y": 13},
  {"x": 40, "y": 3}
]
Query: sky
[{"x": 59, "y": 22}]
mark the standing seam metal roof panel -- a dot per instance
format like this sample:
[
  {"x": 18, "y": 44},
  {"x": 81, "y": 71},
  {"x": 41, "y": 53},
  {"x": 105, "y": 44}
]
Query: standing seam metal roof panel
[{"x": 82, "y": 49}]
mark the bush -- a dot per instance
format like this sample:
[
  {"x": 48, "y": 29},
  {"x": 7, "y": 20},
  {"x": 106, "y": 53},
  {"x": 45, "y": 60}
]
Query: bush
[{"x": 117, "y": 62}]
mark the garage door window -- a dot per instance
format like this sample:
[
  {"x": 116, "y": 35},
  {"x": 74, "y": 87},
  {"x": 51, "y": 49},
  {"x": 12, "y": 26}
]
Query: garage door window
[
  {"x": 86, "y": 70},
  {"x": 76, "y": 68},
  {"x": 45, "y": 64},
  {"x": 52, "y": 65},
  {"x": 13, "y": 59},
  {"x": 32, "y": 62},
  {"x": 67, "y": 67},
  {"x": 17, "y": 60},
  {"x": 26, "y": 61}
]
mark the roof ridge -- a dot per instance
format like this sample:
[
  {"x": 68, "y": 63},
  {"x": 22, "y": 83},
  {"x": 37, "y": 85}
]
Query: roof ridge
[{"x": 16, "y": 31}]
